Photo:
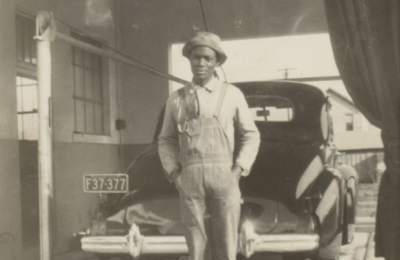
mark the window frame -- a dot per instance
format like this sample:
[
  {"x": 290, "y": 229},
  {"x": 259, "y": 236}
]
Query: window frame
[
  {"x": 291, "y": 110},
  {"x": 22, "y": 40},
  {"x": 349, "y": 125},
  {"x": 25, "y": 69},
  {"x": 103, "y": 78},
  {"x": 21, "y": 127}
]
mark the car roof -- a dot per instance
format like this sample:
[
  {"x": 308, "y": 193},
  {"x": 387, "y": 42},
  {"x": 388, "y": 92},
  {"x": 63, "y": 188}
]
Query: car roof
[
  {"x": 307, "y": 101},
  {"x": 289, "y": 89}
]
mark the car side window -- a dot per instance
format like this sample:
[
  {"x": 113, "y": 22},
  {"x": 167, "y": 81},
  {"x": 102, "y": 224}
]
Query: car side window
[{"x": 270, "y": 108}]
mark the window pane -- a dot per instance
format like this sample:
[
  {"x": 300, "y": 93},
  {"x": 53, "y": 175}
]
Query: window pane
[
  {"x": 34, "y": 55},
  {"x": 20, "y": 107},
  {"x": 78, "y": 81},
  {"x": 271, "y": 109},
  {"x": 28, "y": 81},
  {"x": 349, "y": 122},
  {"x": 98, "y": 87},
  {"x": 88, "y": 85},
  {"x": 30, "y": 126},
  {"x": 88, "y": 60},
  {"x": 79, "y": 116},
  {"x": 96, "y": 63},
  {"x": 89, "y": 117},
  {"x": 29, "y": 98},
  {"x": 77, "y": 56},
  {"x": 27, "y": 46},
  {"x": 19, "y": 40},
  {"x": 20, "y": 128},
  {"x": 98, "y": 113},
  {"x": 32, "y": 42}
]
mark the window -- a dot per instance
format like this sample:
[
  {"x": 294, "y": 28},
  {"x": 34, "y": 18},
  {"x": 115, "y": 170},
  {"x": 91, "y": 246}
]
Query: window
[
  {"x": 349, "y": 122},
  {"x": 270, "y": 108},
  {"x": 26, "y": 45},
  {"x": 89, "y": 92},
  {"x": 27, "y": 105},
  {"x": 26, "y": 83}
]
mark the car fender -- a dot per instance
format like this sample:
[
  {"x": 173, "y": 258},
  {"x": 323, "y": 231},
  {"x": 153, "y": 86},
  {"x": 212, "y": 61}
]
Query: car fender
[
  {"x": 329, "y": 210},
  {"x": 351, "y": 178}
]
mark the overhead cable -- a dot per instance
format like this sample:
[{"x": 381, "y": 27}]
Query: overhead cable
[
  {"x": 203, "y": 14},
  {"x": 137, "y": 64}
]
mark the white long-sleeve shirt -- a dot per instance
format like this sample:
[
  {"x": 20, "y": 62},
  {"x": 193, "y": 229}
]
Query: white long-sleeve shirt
[{"x": 234, "y": 116}]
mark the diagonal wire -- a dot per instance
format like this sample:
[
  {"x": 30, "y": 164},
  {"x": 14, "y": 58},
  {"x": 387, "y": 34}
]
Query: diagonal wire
[
  {"x": 145, "y": 66},
  {"x": 204, "y": 15}
]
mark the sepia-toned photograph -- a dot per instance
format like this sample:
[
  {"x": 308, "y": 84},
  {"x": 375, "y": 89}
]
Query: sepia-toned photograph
[{"x": 199, "y": 130}]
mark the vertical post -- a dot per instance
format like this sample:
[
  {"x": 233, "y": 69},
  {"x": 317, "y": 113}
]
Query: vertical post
[{"x": 44, "y": 30}]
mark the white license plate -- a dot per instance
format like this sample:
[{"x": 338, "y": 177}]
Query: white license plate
[{"x": 105, "y": 183}]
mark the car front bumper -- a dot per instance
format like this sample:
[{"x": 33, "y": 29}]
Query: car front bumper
[{"x": 135, "y": 244}]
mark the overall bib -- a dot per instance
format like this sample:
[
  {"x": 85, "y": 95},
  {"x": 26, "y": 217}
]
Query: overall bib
[{"x": 209, "y": 192}]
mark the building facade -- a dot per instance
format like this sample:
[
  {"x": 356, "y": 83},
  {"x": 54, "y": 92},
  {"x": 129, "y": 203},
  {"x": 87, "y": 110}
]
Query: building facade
[{"x": 359, "y": 141}]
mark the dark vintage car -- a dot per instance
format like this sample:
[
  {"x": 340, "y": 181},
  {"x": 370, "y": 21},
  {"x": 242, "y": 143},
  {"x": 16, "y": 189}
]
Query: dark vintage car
[{"x": 296, "y": 202}]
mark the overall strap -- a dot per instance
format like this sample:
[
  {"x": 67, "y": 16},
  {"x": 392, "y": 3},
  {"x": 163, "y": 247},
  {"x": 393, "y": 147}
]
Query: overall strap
[
  {"x": 221, "y": 97},
  {"x": 182, "y": 95}
]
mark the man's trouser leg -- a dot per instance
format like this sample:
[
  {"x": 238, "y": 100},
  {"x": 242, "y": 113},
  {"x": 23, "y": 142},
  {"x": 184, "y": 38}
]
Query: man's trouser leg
[
  {"x": 215, "y": 191},
  {"x": 193, "y": 211},
  {"x": 224, "y": 207}
]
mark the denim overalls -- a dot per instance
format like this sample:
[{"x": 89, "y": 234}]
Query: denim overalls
[{"x": 209, "y": 192}]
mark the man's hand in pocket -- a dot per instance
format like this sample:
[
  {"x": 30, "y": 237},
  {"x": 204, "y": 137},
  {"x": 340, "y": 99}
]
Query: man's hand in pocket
[{"x": 237, "y": 171}]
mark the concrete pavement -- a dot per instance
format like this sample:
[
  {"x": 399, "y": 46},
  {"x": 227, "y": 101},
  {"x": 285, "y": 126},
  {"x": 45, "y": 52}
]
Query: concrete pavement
[{"x": 362, "y": 248}]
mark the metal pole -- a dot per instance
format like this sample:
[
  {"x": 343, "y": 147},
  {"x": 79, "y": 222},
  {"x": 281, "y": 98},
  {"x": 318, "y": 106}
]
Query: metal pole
[
  {"x": 44, "y": 27},
  {"x": 116, "y": 56}
]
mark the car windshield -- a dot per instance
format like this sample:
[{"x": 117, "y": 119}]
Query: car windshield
[{"x": 266, "y": 108}]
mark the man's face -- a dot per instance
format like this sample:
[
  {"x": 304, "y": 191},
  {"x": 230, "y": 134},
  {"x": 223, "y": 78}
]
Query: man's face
[{"x": 203, "y": 62}]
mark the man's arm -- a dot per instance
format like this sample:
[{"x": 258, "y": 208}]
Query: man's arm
[
  {"x": 168, "y": 144},
  {"x": 247, "y": 137}
]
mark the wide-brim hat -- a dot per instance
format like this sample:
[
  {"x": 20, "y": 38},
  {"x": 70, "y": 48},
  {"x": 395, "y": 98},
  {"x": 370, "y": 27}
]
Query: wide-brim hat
[{"x": 206, "y": 39}]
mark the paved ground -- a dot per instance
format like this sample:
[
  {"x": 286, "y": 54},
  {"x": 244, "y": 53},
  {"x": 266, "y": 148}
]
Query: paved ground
[{"x": 362, "y": 248}]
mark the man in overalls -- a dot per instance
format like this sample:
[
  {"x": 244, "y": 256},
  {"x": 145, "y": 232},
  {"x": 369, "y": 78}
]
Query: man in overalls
[{"x": 204, "y": 123}]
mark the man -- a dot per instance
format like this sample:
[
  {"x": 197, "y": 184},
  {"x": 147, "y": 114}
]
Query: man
[{"x": 204, "y": 123}]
